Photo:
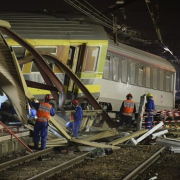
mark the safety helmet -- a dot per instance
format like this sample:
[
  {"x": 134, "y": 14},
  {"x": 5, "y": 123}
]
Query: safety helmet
[
  {"x": 149, "y": 95},
  {"x": 48, "y": 97},
  {"x": 75, "y": 102},
  {"x": 129, "y": 95}
]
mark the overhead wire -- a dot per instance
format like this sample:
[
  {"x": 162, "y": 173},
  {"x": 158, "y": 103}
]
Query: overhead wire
[
  {"x": 154, "y": 13},
  {"x": 104, "y": 21}
]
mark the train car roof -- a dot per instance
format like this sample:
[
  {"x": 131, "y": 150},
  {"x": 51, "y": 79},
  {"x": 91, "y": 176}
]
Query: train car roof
[
  {"x": 139, "y": 55},
  {"x": 46, "y": 25}
]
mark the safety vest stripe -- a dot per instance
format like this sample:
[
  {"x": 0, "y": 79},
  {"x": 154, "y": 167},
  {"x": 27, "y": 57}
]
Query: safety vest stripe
[
  {"x": 42, "y": 119},
  {"x": 128, "y": 104},
  {"x": 127, "y": 114},
  {"x": 44, "y": 108}
]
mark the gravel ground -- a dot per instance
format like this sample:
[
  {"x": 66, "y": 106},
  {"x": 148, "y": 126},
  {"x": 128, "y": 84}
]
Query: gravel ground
[
  {"x": 114, "y": 166},
  {"x": 165, "y": 168},
  {"x": 34, "y": 167},
  {"x": 111, "y": 167}
]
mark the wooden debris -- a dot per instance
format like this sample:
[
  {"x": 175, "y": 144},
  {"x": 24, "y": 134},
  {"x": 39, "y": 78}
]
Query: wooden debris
[
  {"x": 86, "y": 112},
  {"x": 59, "y": 128},
  {"x": 135, "y": 134},
  {"x": 101, "y": 135},
  {"x": 83, "y": 123},
  {"x": 94, "y": 144}
]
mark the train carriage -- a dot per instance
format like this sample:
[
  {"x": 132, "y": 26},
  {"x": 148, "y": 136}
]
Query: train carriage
[
  {"x": 109, "y": 71},
  {"x": 130, "y": 70},
  {"x": 76, "y": 41}
]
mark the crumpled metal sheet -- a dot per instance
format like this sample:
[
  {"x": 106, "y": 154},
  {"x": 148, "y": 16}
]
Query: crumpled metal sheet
[{"x": 10, "y": 81}]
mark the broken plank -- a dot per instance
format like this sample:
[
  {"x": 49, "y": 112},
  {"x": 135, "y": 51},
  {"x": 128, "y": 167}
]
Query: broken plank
[
  {"x": 57, "y": 145},
  {"x": 94, "y": 144},
  {"x": 86, "y": 112},
  {"x": 101, "y": 135},
  {"x": 59, "y": 128},
  {"x": 135, "y": 134}
]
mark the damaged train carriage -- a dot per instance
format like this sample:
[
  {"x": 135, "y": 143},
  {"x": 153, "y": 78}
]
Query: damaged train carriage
[
  {"x": 109, "y": 71},
  {"x": 76, "y": 41}
]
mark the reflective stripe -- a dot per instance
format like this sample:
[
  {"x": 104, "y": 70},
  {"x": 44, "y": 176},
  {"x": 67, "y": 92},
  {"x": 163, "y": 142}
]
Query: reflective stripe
[
  {"x": 44, "y": 108},
  {"x": 43, "y": 112},
  {"x": 129, "y": 104},
  {"x": 128, "y": 107},
  {"x": 42, "y": 119},
  {"x": 127, "y": 114}
]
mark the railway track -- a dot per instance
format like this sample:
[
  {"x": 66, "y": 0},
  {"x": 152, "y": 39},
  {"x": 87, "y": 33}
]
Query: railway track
[
  {"x": 17, "y": 165},
  {"x": 25, "y": 158},
  {"x": 56, "y": 169},
  {"x": 71, "y": 161},
  {"x": 142, "y": 167}
]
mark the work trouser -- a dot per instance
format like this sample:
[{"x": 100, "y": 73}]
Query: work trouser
[
  {"x": 127, "y": 120},
  {"x": 76, "y": 125},
  {"x": 148, "y": 122},
  {"x": 40, "y": 128}
]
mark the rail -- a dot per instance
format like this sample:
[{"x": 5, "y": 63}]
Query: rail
[
  {"x": 59, "y": 168},
  {"x": 144, "y": 165},
  {"x": 25, "y": 158}
]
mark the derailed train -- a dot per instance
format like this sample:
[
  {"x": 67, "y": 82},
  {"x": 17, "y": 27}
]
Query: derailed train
[{"x": 108, "y": 71}]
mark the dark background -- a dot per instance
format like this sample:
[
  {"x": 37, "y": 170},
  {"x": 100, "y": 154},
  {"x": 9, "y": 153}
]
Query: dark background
[{"x": 132, "y": 14}]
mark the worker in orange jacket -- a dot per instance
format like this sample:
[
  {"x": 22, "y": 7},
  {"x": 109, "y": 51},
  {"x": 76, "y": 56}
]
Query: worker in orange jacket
[
  {"x": 44, "y": 111},
  {"x": 127, "y": 109}
]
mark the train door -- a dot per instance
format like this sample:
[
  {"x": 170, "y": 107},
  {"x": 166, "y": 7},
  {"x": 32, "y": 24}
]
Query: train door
[
  {"x": 75, "y": 61},
  {"x": 72, "y": 64}
]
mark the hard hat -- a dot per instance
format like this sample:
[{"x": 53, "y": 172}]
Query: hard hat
[
  {"x": 75, "y": 102},
  {"x": 129, "y": 95},
  {"x": 48, "y": 97},
  {"x": 149, "y": 95}
]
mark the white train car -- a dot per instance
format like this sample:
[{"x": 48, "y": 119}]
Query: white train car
[{"x": 130, "y": 70}]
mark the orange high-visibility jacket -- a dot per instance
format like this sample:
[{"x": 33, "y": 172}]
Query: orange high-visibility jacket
[
  {"x": 128, "y": 107},
  {"x": 43, "y": 113},
  {"x": 72, "y": 117}
]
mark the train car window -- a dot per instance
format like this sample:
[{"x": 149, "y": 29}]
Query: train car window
[
  {"x": 47, "y": 49},
  {"x": 70, "y": 53},
  {"x": 148, "y": 71},
  {"x": 168, "y": 80},
  {"x": 115, "y": 69},
  {"x": 133, "y": 73},
  {"x": 106, "y": 68},
  {"x": 19, "y": 51},
  {"x": 124, "y": 71},
  {"x": 50, "y": 64},
  {"x": 172, "y": 83},
  {"x": 154, "y": 78},
  {"x": 161, "y": 79},
  {"x": 140, "y": 75},
  {"x": 34, "y": 68},
  {"x": 92, "y": 54}
]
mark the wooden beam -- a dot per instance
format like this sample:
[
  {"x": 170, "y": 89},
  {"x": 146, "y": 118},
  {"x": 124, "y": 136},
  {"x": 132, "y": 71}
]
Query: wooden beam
[
  {"x": 86, "y": 112},
  {"x": 135, "y": 134},
  {"x": 101, "y": 135},
  {"x": 93, "y": 144},
  {"x": 59, "y": 128}
]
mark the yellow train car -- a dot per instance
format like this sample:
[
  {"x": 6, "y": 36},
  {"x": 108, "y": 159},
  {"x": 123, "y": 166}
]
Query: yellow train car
[{"x": 78, "y": 42}]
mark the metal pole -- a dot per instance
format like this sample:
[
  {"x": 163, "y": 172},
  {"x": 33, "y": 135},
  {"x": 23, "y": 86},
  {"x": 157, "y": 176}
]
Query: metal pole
[
  {"x": 16, "y": 137},
  {"x": 140, "y": 113}
]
